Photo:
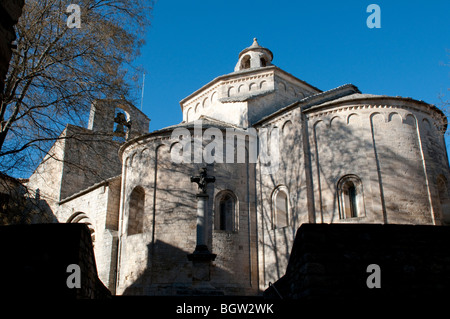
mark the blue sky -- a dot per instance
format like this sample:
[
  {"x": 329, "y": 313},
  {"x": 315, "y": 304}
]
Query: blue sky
[{"x": 325, "y": 43}]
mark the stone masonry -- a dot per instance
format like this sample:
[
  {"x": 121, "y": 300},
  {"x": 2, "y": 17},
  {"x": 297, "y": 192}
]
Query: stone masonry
[{"x": 335, "y": 157}]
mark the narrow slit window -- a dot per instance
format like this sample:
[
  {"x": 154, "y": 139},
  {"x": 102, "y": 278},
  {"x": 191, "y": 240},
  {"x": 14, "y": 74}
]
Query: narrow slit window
[
  {"x": 350, "y": 196},
  {"x": 281, "y": 209},
  {"x": 225, "y": 212},
  {"x": 136, "y": 211}
]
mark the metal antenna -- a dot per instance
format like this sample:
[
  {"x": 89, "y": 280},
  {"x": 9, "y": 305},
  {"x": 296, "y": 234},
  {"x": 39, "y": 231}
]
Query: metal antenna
[{"x": 142, "y": 96}]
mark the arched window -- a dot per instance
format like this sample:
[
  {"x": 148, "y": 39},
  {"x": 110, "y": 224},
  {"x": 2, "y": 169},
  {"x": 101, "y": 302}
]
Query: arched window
[
  {"x": 225, "y": 211},
  {"x": 245, "y": 62},
  {"x": 280, "y": 207},
  {"x": 350, "y": 196},
  {"x": 350, "y": 193},
  {"x": 80, "y": 217},
  {"x": 189, "y": 115},
  {"x": 122, "y": 125},
  {"x": 136, "y": 211},
  {"x": 263, "y": 62}
]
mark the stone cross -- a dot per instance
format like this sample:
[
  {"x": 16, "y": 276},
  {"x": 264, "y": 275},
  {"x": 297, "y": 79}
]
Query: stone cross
[
  {"x": 202, "y": 257},
  {"x": 202, "y": 180}
]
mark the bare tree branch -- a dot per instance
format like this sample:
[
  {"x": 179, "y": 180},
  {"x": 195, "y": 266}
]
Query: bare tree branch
[{"x": 56, "y": 72}]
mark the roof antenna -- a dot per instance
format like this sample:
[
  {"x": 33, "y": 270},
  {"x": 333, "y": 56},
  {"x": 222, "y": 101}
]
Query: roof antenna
[{"x": 143, "y": 83}]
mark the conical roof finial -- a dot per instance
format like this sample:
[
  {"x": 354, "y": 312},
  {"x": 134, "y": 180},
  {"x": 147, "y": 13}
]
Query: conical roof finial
[{"x": 255, "y": 43}]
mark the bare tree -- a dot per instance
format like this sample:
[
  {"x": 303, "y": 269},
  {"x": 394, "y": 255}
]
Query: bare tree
[{"x": 57, "y": 71}]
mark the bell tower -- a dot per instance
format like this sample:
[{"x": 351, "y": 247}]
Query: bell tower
[
  {"x": 118, "y": 118},
  {"x": 253, "y": 57},
  {"x": 254, "y": 90}
]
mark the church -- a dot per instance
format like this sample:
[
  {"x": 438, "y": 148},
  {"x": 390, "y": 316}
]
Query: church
[{"x": 285, "y": 153}]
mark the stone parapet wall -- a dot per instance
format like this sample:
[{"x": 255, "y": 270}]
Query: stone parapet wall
[
  {"x": 35, "y": 260},
  {"x": 330, "y": 262}
]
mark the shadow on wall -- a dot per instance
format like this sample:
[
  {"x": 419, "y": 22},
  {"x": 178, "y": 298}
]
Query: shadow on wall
[
  {"x": 168, "y": 272},
  {"x": 160, "y": 221},
  {"x": 165, "y": 264},
  {"x": 386, "y": 156},
  {"x": 18, "y": 206}
]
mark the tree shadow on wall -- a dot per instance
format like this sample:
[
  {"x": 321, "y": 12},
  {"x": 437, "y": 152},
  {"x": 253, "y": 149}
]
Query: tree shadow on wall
[
  {"x": 394, "y": 180},
  {"x": 168, "y": 272},
  {"x": 171, "y": 220},
  {"x": 163, "y": 271},
  {"x": 18, "y": 205}
]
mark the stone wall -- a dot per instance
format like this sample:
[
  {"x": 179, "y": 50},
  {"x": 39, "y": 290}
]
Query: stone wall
[
  {"x": 10, "y": 11},
  {"x": 35, "y": 260},
  {"x": 391, "y": 146},
  {"x": 46, "y": 178},
  {"x": 20, "y": 206},
  {"x": 103, "y": 112},
  {"x": 98, "y": 206},
  {"x": 330, "y": 263},
  {"x": 154, "y": 261},
  {"x": 242, "y": 98},
  {"x": 275, "y": 242},
  {"x": 383, "y": 142},
  {"x": 89, "y": 158},
  {"x": 82, "y": 157},
  {"x": 79, "y": 159}
]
